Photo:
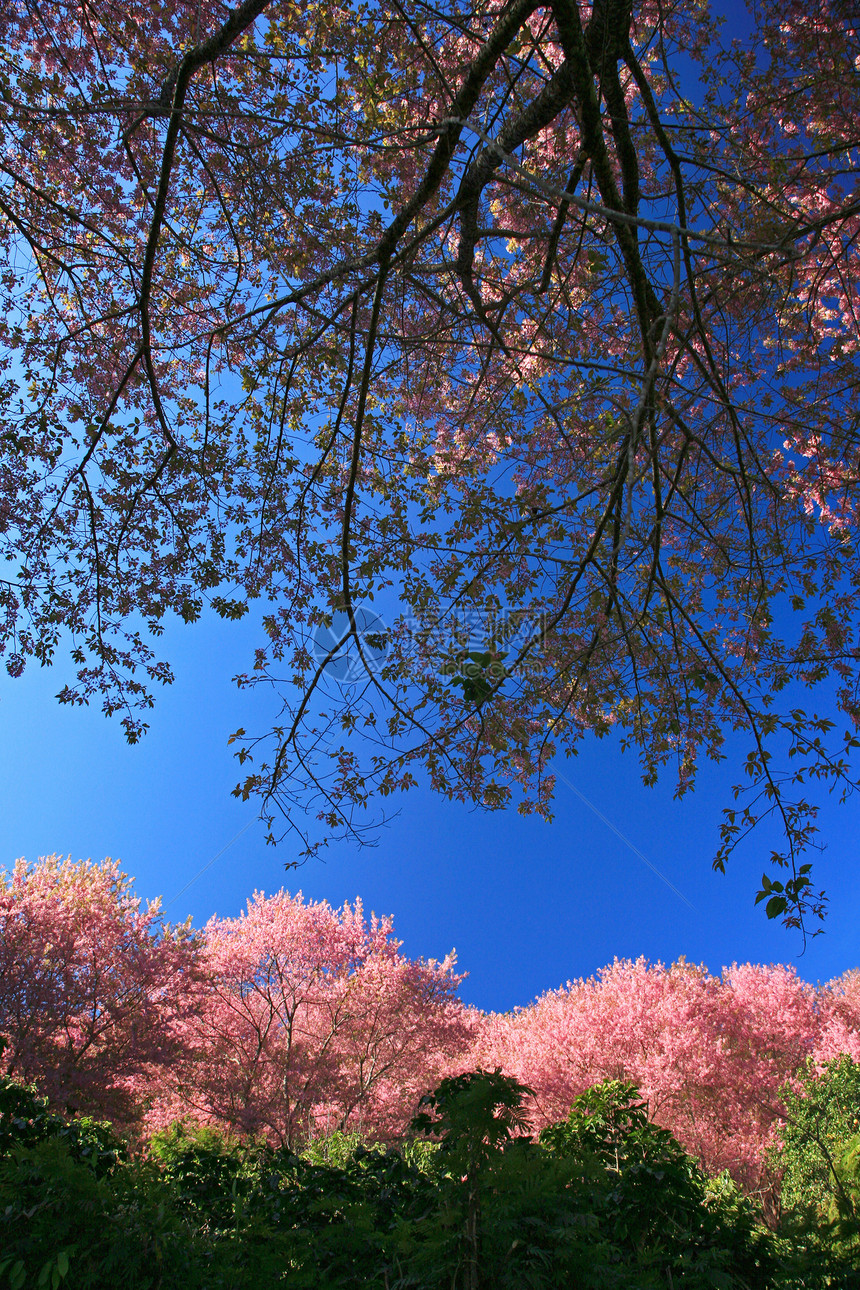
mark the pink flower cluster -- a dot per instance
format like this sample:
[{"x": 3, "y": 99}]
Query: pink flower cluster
[{"x": 296, "y": 1018}]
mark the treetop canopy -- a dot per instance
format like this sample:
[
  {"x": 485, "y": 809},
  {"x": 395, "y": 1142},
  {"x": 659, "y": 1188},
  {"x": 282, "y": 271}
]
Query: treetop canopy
[{"x": 505, "y": 353}]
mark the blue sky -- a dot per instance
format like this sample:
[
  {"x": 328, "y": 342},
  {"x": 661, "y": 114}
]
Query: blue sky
[{"x": 527, "y": 905}]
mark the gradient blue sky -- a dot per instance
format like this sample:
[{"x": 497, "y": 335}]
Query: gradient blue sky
[{"x": 526, "y": 904}]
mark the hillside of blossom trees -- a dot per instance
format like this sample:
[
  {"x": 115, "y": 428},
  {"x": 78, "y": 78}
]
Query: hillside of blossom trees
[{"x": 296, "y": 1019}]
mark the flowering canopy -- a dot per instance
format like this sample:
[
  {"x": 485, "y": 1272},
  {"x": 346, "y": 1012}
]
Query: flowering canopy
[
  {"x": 296, "y": 1018},
  {"x": 288, "y": 1020},
  {"x": 92, "y": 987},
  {"x": 308, "y": 1019},
  {"x": 485, "y": 313},
  {"x": 712, "y": 1055}
]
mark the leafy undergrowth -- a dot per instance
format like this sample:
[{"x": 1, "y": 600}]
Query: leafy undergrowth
[{"x": 604, "y": 1198}]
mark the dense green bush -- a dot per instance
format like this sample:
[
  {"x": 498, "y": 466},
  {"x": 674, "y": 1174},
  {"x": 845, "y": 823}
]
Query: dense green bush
[
  {"x": 820, "y": 1122},
  {"x": 603, "y": 1199},
  {"x": 57, "y": 1215},
  {"x": 819, "y": 1159},
  {"x": 652, "y": 1201},
  {"x": 25, "y": 1120}
]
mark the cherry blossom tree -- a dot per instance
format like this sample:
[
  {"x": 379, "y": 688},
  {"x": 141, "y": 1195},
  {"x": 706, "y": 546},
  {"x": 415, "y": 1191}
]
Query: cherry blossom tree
[
  {"x": 91, "y": 985},
  {"x": 839, "y": 1032},
  {"x": 711, "y": 1054},
  {"x": 491, "y": 317},
  {"x": 309, "y": 1019},
  {"x": 296, "y": 1018}
]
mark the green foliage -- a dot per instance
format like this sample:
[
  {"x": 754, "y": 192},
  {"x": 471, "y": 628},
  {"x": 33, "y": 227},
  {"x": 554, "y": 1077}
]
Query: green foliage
[
  {"x": 820, "y": 1121},
  {"x": 335, "y": 1149},
  {"x": 25, "y": 1121},
  {"x": 605, "y": 1199},
  {"x": 473, "y": 1115},
  {"x": 610, "y": 1123},
  {"x": 76, "y": 1211},
  {"x": 209, "y": 1173},
  {"x": 819, "y": 1157},
  {"x": 61, "y": 1223},
  {"x": 845, "y": 1202},
  {"x": 780, "y": 896},
  {"x": 354, "y": 1225},
  {"x": 651, "y": 1200},
  {"x": 481, "y": 672}
]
